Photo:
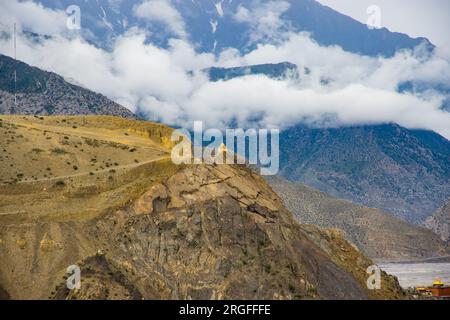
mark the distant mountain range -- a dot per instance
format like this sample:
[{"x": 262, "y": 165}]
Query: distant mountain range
[
  {"x": 213, "y": 25},
  {"x": 377, "y": 234},
  {"x": 46, "y": 93},
  {"x": 404, "y": 172}
]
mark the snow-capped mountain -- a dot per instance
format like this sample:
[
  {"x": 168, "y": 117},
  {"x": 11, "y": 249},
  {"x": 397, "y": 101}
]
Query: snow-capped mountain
[{"x": 213, "y": 25}]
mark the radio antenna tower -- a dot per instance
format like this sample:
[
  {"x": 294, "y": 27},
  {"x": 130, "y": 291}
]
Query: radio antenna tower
[{"x": 15, "y": 67}]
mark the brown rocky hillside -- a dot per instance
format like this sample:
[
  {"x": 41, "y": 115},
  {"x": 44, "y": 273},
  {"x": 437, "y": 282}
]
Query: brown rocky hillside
[{"x": 103, "y": 194}]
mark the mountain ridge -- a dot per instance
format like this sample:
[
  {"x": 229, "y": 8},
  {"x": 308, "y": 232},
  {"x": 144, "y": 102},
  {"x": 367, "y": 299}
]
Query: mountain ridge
[
  {"x": 213, "y": 25},
  {"x": 45, "y": 93}
]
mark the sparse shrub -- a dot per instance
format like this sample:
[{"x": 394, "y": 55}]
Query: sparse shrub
[
  {"x": 60, "y": 183},
  {"x": 291, "y": 288},
  {"x": 92, "y": 143},
  {"x": 59, "y": 151}
]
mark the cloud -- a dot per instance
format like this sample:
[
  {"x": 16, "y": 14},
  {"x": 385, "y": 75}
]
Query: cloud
[
  {"x": 161, "y": 11},
  {"x": 264, "y": 102},
  {"x": 132, "y": 73},
  {"x": 31, "y": 16},
  {"x": 167, "y": 84},
  {"x": 264, "y": 19}
]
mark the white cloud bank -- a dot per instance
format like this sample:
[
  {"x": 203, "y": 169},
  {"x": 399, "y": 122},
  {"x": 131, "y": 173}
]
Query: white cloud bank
[
  {"x": 342, "y": 87},
  {"x": 163, "y": 12},
  {"x": 32, "y": 16},
  {"x": 264, "y": 19}
]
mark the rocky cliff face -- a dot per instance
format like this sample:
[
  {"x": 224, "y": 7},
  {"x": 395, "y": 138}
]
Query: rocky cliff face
[
  {"x": 440, "y": 222},
  {"x": 196, "y": 232},
  {"x": 220, "y": 233}
]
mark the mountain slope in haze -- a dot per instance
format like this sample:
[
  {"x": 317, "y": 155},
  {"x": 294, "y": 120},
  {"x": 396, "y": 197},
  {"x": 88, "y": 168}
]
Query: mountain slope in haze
[
  {"x": 440, "y": 222},
  {"x": 214, "y": 25},
  {"x": 45, "y": 93},
  {"x": 108, "y": 198},
  {"x": 378, "y": 235},
  {"x": 401, "y": 171},
  {"x": 274, "y": 71}
]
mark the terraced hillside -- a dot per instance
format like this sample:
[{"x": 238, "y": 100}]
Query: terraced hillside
[{"x": 103, "y": 194}]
